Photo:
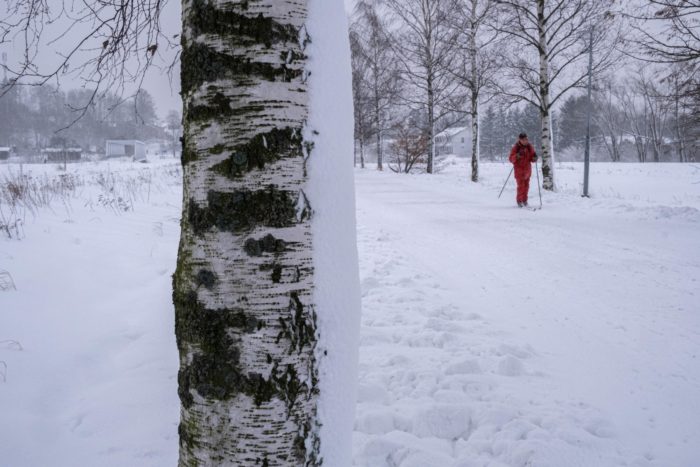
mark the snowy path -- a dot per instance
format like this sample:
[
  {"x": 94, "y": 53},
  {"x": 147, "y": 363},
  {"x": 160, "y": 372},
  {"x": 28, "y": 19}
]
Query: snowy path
[
  {"x": 496, "y": 336},
  {"x": 491, "y": 336}
]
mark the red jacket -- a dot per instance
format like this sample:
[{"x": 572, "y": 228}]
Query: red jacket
[{"x": 521, "y": 156}]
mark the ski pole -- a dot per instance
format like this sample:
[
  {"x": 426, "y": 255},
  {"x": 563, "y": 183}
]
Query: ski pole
[
  {"x": 506, "y": 182},
  {"x": 539, "y": 190}
]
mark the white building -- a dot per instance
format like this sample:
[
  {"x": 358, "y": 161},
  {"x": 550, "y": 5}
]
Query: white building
[
  {"x": 455, "y": 140},
  {"x": 125, "y": 148}
]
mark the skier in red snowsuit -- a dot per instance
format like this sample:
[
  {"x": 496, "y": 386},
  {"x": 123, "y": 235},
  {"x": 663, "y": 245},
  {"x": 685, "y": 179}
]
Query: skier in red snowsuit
[{"x": 521, "y": 156}]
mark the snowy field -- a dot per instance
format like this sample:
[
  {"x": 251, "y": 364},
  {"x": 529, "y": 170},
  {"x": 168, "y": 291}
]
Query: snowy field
[{"x": 491, "y": 336}]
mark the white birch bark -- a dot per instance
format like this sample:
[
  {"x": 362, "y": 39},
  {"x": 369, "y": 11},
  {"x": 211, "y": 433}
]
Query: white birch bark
[
  {"x": 246, "y": 319},
  {"x": 474, "y": 88},
  {"x": 547, "y": 154}
]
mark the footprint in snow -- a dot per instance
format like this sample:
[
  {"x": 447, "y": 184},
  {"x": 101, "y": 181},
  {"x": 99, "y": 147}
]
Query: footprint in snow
[{"x": 511, "y": 366}]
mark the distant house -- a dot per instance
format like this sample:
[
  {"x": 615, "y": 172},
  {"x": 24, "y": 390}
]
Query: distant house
[
  {"x": 125, "y": 148},
  {"x": 455, "y": 140},
  {"x": 155, "y": 147},
  {"x": 62, "y": 154},
  {"x": 5, "y": 153}
]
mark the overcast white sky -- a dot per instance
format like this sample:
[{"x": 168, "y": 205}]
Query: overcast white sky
[{"x": 164, "y": 89}]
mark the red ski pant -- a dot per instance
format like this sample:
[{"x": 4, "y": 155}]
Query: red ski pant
[{"x": 523, "y": 182}]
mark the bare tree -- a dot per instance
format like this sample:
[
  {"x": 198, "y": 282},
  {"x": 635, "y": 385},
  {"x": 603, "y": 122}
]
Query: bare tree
[
  {"x": 677, "y": 95},
  {"x": 409, "y": 148},
  {"x": 360, "y": 94},
  {"x": 122, "y": 41},
  {"x": 552, "y": 34},
  {"x": 636, "y": 112},
  {"x": 425, "y": 43},
  {"x": 382, "y": 71},
  {"x": 609, "y": 118},
  {"x": 668, "y": 31},
  {"x": 478, "y": 62}
]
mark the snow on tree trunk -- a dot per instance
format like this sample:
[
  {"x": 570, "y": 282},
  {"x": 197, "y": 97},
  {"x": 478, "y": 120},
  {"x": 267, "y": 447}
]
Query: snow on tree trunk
[
  {"x": 545, "y": 110},
  {"x": 251, "y": 301}
]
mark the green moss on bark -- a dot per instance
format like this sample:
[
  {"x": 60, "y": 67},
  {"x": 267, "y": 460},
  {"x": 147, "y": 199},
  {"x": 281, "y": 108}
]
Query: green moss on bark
[{"x": 243, "y": 210}]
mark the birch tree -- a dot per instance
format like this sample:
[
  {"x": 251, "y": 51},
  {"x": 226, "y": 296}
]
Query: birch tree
[
  {"x": 248, "y": 314},
  {"x": 360, "y": 98},
  {"x": 425, "y": 43},
  {"x": 550, "y": 46},
  {"x": 478, "y": 63},
  {"x": 265, "y": 291},
  {"x": 382, "y": 81}
]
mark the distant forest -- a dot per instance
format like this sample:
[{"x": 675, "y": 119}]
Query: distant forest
[{"x": 36, "y": 117}]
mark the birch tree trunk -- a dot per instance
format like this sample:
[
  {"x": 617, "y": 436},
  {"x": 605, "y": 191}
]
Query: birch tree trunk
[
  {"x": 247, "y": 322},
  {"x": 475, "y": 88},
  {"x": 431, "y": 122},
  {"x": 545, "y": 110},
  {"x": 378, "y": 125}
]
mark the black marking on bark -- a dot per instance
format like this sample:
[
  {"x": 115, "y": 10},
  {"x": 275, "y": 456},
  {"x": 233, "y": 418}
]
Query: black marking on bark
[
  {"x": 243, "y": 210},
  {"x": 188, "y": 153},
  {"x": 290, "y": 386},
  {"x": 276, "y": 274},
  {"x": 300, "y": 327},
  {"x": 260, "y": 150},
  {"x": 218, "y": 149},
  {"x": 267, "y": 244},
  {"x": 213, "y": 371},
  {"x": 306, "y": 211},
  {"x": 205, "y": 18},
  {"x": 202, "y": 64},
  {"x": 205, "y": 278}
]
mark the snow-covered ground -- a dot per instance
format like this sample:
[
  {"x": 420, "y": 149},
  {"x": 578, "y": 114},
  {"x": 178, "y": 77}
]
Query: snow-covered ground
[{"x": 492, "y": 336}]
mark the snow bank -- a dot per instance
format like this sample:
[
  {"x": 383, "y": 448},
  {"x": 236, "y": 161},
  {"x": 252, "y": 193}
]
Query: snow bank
[{"x": 331, "y": 194}]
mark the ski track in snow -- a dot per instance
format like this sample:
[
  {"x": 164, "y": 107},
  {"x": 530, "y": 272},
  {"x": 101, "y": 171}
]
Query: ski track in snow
[{"x": 491, "y": 336}]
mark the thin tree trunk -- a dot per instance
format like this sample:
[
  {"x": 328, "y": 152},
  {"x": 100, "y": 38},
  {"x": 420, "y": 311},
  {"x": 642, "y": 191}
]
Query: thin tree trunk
[
  {"x": 474, "y": 95},
  {"x": 431, "y": 123},
  {"x": 677, "y": 116},
  {"x": 354, "y": 152},
  {"x": 377, "y": 122},
  {"x": 245, "y": 322},
  {"x": 362, "y": 153},
  {"x": 545, "y": 111}
]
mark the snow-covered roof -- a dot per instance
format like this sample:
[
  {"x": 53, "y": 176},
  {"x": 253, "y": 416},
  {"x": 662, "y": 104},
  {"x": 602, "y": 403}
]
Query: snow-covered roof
[
  {"x": 449, "y": 132},
  {"x": 4, "y": 149}
]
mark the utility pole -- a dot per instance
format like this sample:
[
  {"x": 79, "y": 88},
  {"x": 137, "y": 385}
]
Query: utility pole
[{"x": 587, "y": 156}]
